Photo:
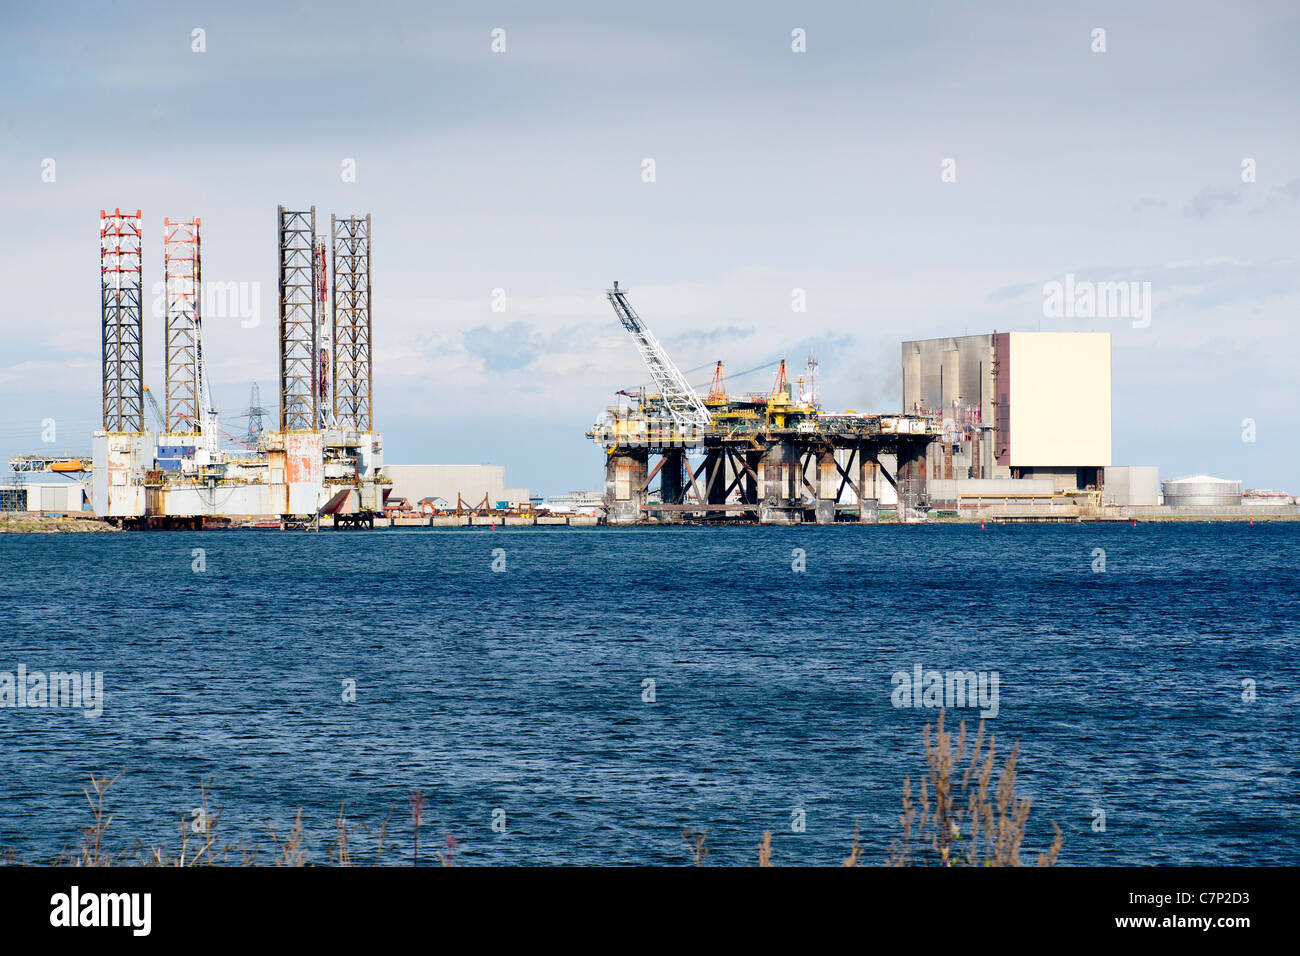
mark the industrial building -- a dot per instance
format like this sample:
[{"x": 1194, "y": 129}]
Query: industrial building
[
  {"x": 1014, "y": 405},
  {"x": 471, "y": 485},
  {"x": 43, "y": 497},
  {"x": 1131, "y": 486}
]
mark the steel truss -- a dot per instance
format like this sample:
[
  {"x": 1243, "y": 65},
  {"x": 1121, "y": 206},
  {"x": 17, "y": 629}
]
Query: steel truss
[
  {"x": 353, "y": 394},
  {"x": 299, "y": 396},
  {"x": 122, "y": 321},
  {"x": 182, "y": 283}
]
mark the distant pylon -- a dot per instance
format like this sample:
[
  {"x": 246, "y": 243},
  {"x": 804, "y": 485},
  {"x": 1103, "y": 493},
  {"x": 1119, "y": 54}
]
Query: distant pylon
[{"x": 255, "y": 413}]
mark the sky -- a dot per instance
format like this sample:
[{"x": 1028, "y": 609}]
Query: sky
[{"x": 917, "y": 170}]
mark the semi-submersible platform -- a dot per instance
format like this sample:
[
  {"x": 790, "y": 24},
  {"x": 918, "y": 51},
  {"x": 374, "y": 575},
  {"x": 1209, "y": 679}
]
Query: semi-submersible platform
[{"x": 774, "y": 458}]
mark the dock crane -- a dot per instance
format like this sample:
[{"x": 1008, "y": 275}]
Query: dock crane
[{"x": 685, "y": 407}]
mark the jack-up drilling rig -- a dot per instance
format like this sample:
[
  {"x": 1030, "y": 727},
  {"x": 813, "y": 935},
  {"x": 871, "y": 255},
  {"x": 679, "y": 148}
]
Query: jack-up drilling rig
[{"x": 319, "y": 461}]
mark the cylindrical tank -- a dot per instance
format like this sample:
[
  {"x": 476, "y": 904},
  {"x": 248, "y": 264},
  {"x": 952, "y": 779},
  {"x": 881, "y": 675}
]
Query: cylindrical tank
[{"x": 1201, "y": 491}]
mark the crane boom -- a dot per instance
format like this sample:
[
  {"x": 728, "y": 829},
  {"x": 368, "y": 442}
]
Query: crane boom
[
  {"x": 156, "y": 410},
  {"x": 683, "y": 404},
  {"x": 208, "y": 415}
]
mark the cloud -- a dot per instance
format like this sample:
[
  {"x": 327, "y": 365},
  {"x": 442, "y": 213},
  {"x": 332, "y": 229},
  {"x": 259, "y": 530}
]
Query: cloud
[
  {"x": 1145, "y": 203},
  {"x": 506, "y": 349},
  {"x": 702, "y": 337},
  {"x": 1011, "y": 292},
  {"x": 1286, "y": 194},
  {"x": 1210, "y": 200}
]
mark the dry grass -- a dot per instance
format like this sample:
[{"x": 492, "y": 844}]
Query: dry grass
[
  {"x": 198, "y": 843},
  {"x": 340, "y": 851},
  {"x": 92, "y": 837},
  {"x": 961, "y": 818},
  {"x": 291, "y": 851},
  {"x": 416, "y": 800},
  {"x": 855, "y": 849},
  {"x": 194, "y": 852},
  {"x": 447, "y": 855},
  {"x": 695, "y": 840}
]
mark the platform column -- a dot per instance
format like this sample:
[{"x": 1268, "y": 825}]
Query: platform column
[
  {"x": 625, "y": 481},
  {"x": 672, "y": 483},
  {"x": 776, "y": 474},
  {"x": 828, "y": 486},
  {"x": 911, "y": 479},
  {"x": 868, "y": 484},
  {"x": 749, "y": 484},
  {"x": 715, "y": 480}
]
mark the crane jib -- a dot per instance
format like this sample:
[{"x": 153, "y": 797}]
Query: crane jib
[{"x": 679, "y": 398}]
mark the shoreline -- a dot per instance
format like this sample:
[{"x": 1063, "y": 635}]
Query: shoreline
[{"x": 23, "y": 523}]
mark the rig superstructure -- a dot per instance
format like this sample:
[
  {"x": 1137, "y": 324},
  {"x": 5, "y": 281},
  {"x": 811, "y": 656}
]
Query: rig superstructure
[{"x": 324, "y": 459}]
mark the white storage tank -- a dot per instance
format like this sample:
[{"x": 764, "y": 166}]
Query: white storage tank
[{"x": 1201, "y": 491}]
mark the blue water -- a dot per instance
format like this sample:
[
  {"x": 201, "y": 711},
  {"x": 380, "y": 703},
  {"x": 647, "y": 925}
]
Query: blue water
[{"x": 522, "y": 690}]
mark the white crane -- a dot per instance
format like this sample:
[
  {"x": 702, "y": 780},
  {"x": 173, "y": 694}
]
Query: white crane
[{"x": 683, "y": 404}]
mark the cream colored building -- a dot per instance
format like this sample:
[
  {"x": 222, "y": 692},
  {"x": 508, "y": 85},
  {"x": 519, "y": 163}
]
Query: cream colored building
[
  {"x": 1015, "y": 404},
  {"x": 471, "y": 482}
]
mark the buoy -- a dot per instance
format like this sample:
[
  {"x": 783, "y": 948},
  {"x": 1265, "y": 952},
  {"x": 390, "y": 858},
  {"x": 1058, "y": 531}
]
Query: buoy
[
  {"x": 1135, "y": 522},
  {"x": 981, "y": 524}
]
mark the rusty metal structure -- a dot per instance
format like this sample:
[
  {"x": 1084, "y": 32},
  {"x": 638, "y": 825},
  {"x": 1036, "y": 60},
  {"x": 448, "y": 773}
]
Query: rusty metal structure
[
  {"x": 353, "y": 390},
  {"x": 324, "y": 352},
  {"x": 180, "y": 475},
  {"x": 122, "y": 320},
  {"x": 774, "y": 458},
  {"x": 182, "y": 290},
  {"x": 299, "y": 393}
]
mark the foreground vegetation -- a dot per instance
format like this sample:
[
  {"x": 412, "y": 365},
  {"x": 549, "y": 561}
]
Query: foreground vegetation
[{"x": 961, "y": 818}]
